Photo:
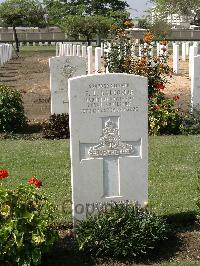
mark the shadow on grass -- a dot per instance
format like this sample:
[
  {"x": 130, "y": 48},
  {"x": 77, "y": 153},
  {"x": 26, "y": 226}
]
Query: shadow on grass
[
  {"x": 31, "y": 131},
  {"x": 181, "y": 219}
]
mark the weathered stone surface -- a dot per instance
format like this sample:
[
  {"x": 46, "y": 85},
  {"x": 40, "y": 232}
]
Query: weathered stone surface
[
  {"x": 61, "y": 69},
  {"x": 109, "y": 138}
]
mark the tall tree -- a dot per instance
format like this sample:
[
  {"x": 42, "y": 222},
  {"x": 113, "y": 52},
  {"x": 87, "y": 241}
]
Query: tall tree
[
  {"x": 86, "y": 17},
  {"x": 86, "y": 26},
  {"x": 103, "y": 7},
  {"x": 15, "y": 13},
  {"x": 185, "y": 8}
]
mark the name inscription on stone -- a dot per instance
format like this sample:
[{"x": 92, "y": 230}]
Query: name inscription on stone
[{"x": 113, "y": 98}]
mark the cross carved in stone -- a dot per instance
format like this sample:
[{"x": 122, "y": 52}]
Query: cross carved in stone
[{"x": 110, "y": 150}]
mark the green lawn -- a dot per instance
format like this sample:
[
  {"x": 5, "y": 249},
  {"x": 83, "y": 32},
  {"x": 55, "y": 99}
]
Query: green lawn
[
  {"x": 38, "y": 48},
  {"x": 173, "y": 167}
]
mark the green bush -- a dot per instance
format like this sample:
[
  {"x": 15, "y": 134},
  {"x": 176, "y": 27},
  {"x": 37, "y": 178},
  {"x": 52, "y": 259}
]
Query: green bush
[
  {"x": 191, "y": 123},
  {"x": 24, "y": 220},
  {"x": 57, "y": 127},
  {"x": 164, "y": 118},
  {"x": 126, "y": 230},
  {"x": 12, "y": 117}
]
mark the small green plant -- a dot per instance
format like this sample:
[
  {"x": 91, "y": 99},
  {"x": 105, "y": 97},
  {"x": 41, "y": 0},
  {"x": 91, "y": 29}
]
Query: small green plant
[
  {"x": 191, "y": 123},
  {"x": 164, "y": 118},
  {"x": 24, "y": 219},
  {"x": 57, "y": 127},
  {"x": 12, "y": 117},
  {"x": 126, "y": 230}
]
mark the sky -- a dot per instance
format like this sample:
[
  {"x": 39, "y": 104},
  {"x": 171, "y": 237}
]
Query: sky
[{"x": 138, "y": 7}]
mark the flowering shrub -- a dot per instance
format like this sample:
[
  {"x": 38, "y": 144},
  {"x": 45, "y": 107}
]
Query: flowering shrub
[
  {"x": 24, "y": 219},
  {"x": 125, "y": 230},
  {"x": 164, "y": 118}
]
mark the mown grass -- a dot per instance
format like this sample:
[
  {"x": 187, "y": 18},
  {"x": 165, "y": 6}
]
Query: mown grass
[
  {"x": 173, "y": 172},
  {"x": 38, "y": 48}
]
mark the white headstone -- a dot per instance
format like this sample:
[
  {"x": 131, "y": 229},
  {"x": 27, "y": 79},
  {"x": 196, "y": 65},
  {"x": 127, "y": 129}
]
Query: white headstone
[
  {"x": 183, "y": 51},
  {"x": 90, "y": 60},
  {"x": 78, "y": 52},
  {"x": 187, "y": 48},
  {"x": 97, "y": 60},
  {"x": 61, "y": 69},
  {"x": 70, "y": 49},
  {"x": 84, "y": 51},
  {"x": 108, "y": 140},
  {"x": 65, "y": 49},
  {"x": 158, "y": 49},
  {"x": 175, "y": 58},
  {"x": 195, "y": 83},
  {"x": 193, "y": 53},
  {"x": 102, "y": 49},
  {"x": 57, "y": 48},
  {"x": 74, "y": 50}
]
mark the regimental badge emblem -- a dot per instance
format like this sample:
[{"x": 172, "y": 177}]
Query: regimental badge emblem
[
  {"x": 67, "y": 70},
  {"x": 110, "y": 143}
]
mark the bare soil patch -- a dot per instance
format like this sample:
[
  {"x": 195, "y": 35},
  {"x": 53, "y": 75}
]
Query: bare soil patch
[{"x": 30, "y": 75}]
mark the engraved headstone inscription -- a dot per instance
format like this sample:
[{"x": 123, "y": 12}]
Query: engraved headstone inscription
[
  {"x": 108, "y": 141},
  {"x": 61, "y": 69}
]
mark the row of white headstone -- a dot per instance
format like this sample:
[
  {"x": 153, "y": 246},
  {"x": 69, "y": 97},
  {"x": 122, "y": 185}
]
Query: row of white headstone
[
  {"x": 67, "y": 64},
  {"x": 187, "y": 50},
  {"x": 194, "y": 70},
  {"x": 69, "y": 49},
  {"x": 71, "y": 60},
  {"x": 5, "y": 53}
]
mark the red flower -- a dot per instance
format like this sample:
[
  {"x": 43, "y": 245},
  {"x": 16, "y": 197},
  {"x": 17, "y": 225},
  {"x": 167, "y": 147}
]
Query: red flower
[
  {"x": 3, "y": 173},
  {"x": 160, "y": 86},
  {"x": 176, "y": 98},
  {"x": 34, "y": 181},
  {"x": 164, "y": 49},
  {"x": 38, "y": 183},
  {"x": 156, "y": 107}
]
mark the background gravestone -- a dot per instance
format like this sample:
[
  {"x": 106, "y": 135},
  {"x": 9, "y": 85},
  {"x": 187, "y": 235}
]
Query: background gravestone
[
  {"x": 61, "y": 69},
  {"x": 195, "y": 83},
  {"x": 109, "y": 136}
]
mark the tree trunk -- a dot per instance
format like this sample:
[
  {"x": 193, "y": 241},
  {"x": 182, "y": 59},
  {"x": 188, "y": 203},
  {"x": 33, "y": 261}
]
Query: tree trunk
[
  {"x": 16, "y": 39},
  {"x": 98, "y": 40},
  {"x": 88, "y": 40}
]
